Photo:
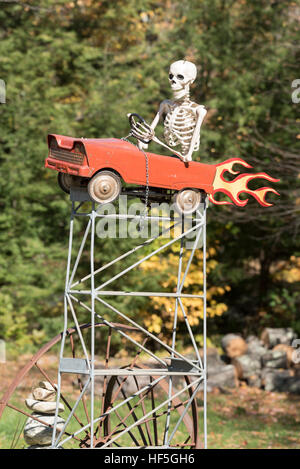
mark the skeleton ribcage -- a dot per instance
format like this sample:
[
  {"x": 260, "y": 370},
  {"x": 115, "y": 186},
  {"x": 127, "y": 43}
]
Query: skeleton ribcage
[{"x": 179, "y": 128}]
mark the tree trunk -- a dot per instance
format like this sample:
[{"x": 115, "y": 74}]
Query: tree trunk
[
  {"x": 233, "y": 345},
  {"x": 247, "y": 366},
  {"x": 281, "y": 381},
  {"x": 221, "y": 376},
  {"x": 275, "y": 359},
  {"x": 255, "y": 346}
]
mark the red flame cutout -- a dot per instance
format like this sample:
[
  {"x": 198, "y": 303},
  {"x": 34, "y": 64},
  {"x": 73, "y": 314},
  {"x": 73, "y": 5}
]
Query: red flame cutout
[{"x": 239, "y": 185}]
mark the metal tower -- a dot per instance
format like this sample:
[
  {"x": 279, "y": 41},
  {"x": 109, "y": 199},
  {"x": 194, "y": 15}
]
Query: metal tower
[{"x": 151, "y": 401}]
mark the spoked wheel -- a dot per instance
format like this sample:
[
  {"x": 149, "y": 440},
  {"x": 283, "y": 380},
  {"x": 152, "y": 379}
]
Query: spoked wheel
[
  {"x": 129, "y": 410},
  {"x": 104, "y": 187},
  {"x": 187, "y": 201}
]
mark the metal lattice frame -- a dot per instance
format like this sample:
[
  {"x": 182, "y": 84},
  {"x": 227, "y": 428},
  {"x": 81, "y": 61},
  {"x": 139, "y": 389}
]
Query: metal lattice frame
[{"x": 193, "y": 371}]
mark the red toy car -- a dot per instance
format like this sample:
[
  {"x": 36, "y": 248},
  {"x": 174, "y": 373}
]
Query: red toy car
[
  {"x": 103, "y": 165},
  {"x": 107, "y": 166}
]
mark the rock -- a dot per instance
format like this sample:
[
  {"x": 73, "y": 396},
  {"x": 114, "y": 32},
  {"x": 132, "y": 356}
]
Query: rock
[
  {"x": 37, "y": 434},
  {"x": 234, "y": 345},
  {"x": 280, "y": 381},
  {"x": 46, "y": 385},
  {"x": 43, "y": 407},
  {"x": 275, "y": 359},
  {"x": 272, "y": 337},
  {"x": 41, "y": 394}
]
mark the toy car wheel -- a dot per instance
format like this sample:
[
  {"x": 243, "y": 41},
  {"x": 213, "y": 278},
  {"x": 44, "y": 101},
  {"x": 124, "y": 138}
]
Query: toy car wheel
[
  {"x": 65, "y": 181},
  {"x": 104, "y": 187},
  {"x": 187, "y": 201}
]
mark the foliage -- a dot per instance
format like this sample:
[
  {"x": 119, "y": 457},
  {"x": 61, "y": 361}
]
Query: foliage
[{"x": 77, "y": 68}]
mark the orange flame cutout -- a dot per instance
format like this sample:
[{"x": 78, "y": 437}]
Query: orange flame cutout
[{"x": 239, "y": 185}]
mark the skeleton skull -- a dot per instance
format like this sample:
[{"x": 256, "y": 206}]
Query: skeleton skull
[{"x": 182, "y": 73}]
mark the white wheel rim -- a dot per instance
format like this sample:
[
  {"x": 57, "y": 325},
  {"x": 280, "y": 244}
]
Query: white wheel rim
[
  {"x": 188, "y": 200},
  {"x": 105, "y": 188}
]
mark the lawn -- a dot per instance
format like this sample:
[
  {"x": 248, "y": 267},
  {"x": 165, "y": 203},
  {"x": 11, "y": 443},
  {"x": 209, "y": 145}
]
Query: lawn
[
  {"x": 240, "y": 418},
  {"x": 245, "y": 418}
]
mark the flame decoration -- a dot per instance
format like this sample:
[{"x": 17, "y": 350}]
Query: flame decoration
[{"x": 239, "y": 185}]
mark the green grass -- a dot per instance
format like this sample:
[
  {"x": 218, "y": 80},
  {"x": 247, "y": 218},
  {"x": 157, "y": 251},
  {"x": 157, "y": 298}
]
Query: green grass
[
  {"x": 254, "y": 421},
  {"x": 12, "y": 424}
]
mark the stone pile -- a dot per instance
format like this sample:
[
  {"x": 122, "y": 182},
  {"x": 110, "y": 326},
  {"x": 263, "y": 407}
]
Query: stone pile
[{"x": 42, "y": 403}]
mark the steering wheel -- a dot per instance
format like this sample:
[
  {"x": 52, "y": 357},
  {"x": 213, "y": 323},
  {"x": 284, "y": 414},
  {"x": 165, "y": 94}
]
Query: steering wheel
[{"x": 139, "y": 128}]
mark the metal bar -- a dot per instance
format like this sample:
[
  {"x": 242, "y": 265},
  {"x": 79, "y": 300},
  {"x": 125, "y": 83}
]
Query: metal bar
[
  {"x": 131, "y": 412},
  {"x": 78, "y": 331},
  {"x": 190, "y": 332},
  {"x": 119, "y": 216},
  {"x": 65, "y": 322},
  {"x": 148, "y": 414},
  {"x": 168, "y": 418},
  {"x": 170, "y": 349},
  {"x": 113, "y": 409},
  {"x": 204, "y": 333},
  {"x": 107, "y": 355},
  {"x": 146, "y": 257},
  {"x": 126, "y": 254},
  {"x": 79, "y": 380},
  {"x": 93, "y": 325},
  {"x": 72, "y": 412},
  {"x": 34, "y": 418},
  {"x": 136, "y": 372},
  {"x": 183, "y": 413},
  {"x": 61, "y": 395},
  {"x": 145, "y": 293},
  {"x": 80, "y": 252},
  {"x": 191, "y": 257},
  {"x": 108, "y": 323},
  {"x": 133, "y": 341}
]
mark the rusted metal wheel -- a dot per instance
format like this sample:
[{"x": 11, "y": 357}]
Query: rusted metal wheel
[
  {"x": 104, "y": 187},
  {"x": 187, "y": 201},
  {"x": 123, "y": 415}
]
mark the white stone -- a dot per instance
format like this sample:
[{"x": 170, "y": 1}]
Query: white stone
[
  {"x": 43, "y": 407},
  {"x": 42, "y": 394},
  {"x": 46, "y": 385},
  {"x": 38, "y": 434}
]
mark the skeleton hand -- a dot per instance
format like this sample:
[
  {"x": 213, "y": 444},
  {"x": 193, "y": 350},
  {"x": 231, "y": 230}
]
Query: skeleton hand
[
  {"x": 188, "y": 157},
  {"x": 140, "y": 129}
]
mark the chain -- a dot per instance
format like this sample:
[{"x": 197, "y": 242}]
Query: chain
[{"x": 143, "y": 216}]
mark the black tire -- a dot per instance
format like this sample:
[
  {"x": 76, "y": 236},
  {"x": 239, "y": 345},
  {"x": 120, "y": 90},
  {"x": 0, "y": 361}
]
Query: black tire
[{"x": 65, "y": 181}]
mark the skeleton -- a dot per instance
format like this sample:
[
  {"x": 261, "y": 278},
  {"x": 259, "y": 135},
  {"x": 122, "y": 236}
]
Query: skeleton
[{"x": 183, "y": 118}]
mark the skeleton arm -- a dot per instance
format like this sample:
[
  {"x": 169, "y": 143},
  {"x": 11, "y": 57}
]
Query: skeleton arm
[
  {"x": 200, "y": 114},
  {"x": 155, "y": 121}
]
